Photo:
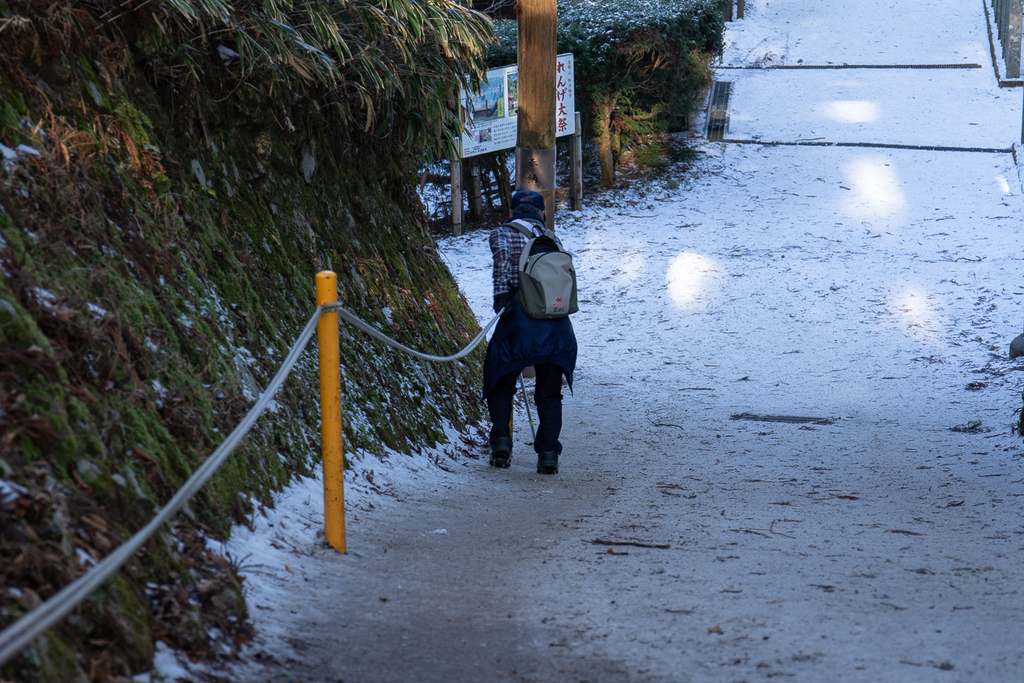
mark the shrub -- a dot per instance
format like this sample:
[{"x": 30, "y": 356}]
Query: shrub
[
  {"x": 638, "y": 62},
  {"x": 384, "y": 65}
]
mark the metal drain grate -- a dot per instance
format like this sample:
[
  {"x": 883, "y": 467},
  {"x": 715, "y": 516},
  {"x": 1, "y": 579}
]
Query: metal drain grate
[
  {"x": 791, "y": 419},
  {"x": 718, "y": 110}
]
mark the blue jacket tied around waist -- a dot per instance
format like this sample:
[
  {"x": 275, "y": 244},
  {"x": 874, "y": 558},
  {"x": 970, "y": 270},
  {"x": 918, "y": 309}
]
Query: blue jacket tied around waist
[{"x": 520, "y": 341}]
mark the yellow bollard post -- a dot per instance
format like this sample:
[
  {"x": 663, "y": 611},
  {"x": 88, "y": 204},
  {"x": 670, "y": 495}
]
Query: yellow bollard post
[{"x": 330, "y": 413}]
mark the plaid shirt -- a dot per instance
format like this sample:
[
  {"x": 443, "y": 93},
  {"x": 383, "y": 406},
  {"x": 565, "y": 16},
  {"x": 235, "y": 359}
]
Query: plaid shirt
[{"x": 507, "y": 246}]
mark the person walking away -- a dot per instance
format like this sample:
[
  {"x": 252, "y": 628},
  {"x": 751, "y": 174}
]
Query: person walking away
[{"x": 520, "y": 341}]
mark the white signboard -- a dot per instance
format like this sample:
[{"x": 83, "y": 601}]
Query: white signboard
[{"x": 491, "y": 117}]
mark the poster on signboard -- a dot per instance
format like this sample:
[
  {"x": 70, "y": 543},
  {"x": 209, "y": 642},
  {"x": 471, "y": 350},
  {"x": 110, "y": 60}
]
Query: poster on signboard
[
  {"x": 512, "y": 80},
  {"x": 489, "y": 105},
  {"x": 492, "y": 115}
]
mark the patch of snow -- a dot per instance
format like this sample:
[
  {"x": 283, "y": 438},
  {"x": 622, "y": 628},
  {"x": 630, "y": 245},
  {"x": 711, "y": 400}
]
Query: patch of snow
[
  {"x": 168, "y": 667},
  {"x": 244, "y": 359},
  {"x": 84, "y": 558},
  {"x": 220, "y": 311},
  {"x": 44, "y": 297},
  {"x": 97, "y": 96},
  {"x": 161, "y": 392},
  {"x": 226, "y": 53},
  {"x": 198, "y": 174},
  {"x": 10, "y": 492}
]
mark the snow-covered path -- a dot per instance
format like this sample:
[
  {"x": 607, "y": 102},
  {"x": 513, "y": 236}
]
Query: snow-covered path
[{"x": 875, "y": 290}]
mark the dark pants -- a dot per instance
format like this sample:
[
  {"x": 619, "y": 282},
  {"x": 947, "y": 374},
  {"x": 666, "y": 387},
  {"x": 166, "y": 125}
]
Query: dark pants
[{"x": 549, "y": 406}]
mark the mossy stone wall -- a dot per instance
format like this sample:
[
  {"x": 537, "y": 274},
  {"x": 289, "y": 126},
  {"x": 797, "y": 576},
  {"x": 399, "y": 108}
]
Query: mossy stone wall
[{"x": 157, "y": 260}]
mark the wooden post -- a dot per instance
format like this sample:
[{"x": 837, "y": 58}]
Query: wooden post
[
  {"x": 1000, "y": 8},
  {"x": 535, "y": 142},
  {"x": 330, "y": 413},
  {"x": 727, "y": 9},
  {"x": 488, "y": 190},
  {"x": 456, "y": 197},
  {"x": 476, "y": 199},
  {"x": 576, "y": 167},
  {"x": 741, "y": 6},
  {"x": 503, "y": 181},
  {"x": 603, "y": 130},
  {"x": 1013, "y": 29}
]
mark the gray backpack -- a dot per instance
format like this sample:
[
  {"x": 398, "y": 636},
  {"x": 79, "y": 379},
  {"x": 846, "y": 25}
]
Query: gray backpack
[{"x": 547, "y": 278}]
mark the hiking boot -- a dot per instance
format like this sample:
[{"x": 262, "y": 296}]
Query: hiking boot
[
  {"x": 501, "y": 451},
  {"x": 547, "y": 462}
]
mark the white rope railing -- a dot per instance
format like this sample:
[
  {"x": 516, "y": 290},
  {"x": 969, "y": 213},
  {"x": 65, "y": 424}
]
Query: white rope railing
[
  {"x": 21, "y": 633},
  {"x": 350, "y": 317}
]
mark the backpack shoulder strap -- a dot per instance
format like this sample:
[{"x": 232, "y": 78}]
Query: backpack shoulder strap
[
  {"x": 524, "y": 257},
  {"x": 520, "y": 228}
]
